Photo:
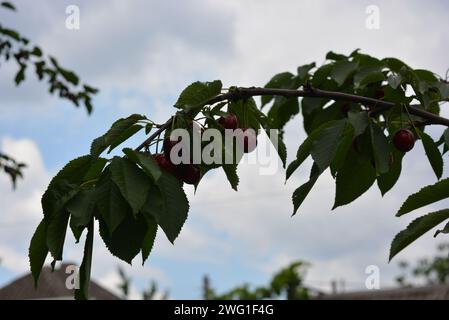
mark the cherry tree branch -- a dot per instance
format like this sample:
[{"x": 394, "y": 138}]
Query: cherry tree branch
[
  {"x": 154, "y": 135},
  {"x": 308, "y": 91}
]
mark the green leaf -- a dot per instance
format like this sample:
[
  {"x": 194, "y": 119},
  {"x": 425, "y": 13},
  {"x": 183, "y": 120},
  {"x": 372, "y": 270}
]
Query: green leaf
[
  {"x": 301, "y": 155},
  {"x": 305, "y": 148},
  {"x": 90, "y": 89},
  {"x": 317, "y": 118},
  {"x": 81, "y": 208},
  {"x": 198, "y": 93},
  {"x": 148, "y": 128},
  {"x": 120, "y": 130},
  {"x": 10, "y": 33},
  {"x": 8, "y": 5},
  {"x": 443, "y": 88},
  {"x": 309, "y": 105},
  {"x": 247, "y": 113},
  {"x": 88, "y": 105},
  {"x": 54, "y": 200},
  {"x": 300, "y": 194},
  {"x": 76, "y": 171},
  {"x": 292, "y": 167},
  {"x": 85, "y": 269},
  {"x": 96, "y": 167},
  {"x": 126, "y": 240},
  {"x": 36, "y": 51},
  {"x": 335, "y": 56},
  {"x": 56, "y": 197},
  {"x": 395, "y": 64},
  {"x": 61, "y": 190},
  {"x": 282, "y": 111},
  {"x": 445, "y": 230},
  {"x": 381, "y": 149},
  {"x": 416, "y": 229},
  {"x": 430, "y": 100},
  {"x": 344, "y": 145},
  {"x": 150, "y": 236},
  {"x": 54, "y": 62},
  {"x": 387, "y": 180},
  {"x": 132, "y": 182},
  {"x": 216, "y": 110},
  {"x": 56, "y": 232},
  {"x": 38, "y": 250},
  {"x": 168, "y": 204},
  {"x": 368, "y": 75},
  {"x": 446, "y": 137},
  {"x": 396, "y": 96},
  {"x": 326, "y": 143},
  {"x": 278, "y": 143},
  {"x": 20, "y": 75},
  {"x": 321, "y": 74},
  {"x": 365, "y": 60},
  {"x": 303, "y": 72},
  {"x": 349, "y": 188},
  {"x": 342, "y": 70},
  {"x": 433, "y": 154},
  {"x": 69, "y": 76},
  {"x": 110, "y": 202},
  {"x": 394, "y": 80},
  {"x": 231, "y": 174},
  {"x": 425, "y": 75},
  {"x": 77, "y": 231},
  {"x": 147, "y": 163},
  {"x": 282, "y": 80},
  {"x": 425, "y": 196},
  {"x": 359, "y": 120},
  {"x": 128, "y": 133}
]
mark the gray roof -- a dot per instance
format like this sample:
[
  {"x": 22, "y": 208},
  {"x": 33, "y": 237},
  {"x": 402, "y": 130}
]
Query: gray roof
[
  {"x": 51, "y": 285},
  {"x": 434, "y": 292}
]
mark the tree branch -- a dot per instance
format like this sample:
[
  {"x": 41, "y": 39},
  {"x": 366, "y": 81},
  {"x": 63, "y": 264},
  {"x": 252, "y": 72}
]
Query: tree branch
[
  {"x": 244, "y": 93},
  {"x": 161, "y": 129}
]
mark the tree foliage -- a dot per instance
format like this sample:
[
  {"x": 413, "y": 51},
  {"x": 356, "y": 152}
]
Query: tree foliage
[
  {"x": 149, "y": 293},
  {"x": 287, "y": 283},
  {"x": 431, "y": 271},
  {"x": 11, "y": 167},
  {"x": 351, "y": 107}
]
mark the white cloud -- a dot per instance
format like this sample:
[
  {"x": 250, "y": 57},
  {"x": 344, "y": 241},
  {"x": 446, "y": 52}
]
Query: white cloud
[
  {"x": 154, "y": 47},
  {"x": 21, "y": 210},
  {"x": 23, "y": 204},
  {"x": 193, "y": 244},
  {"x": 12, "y": 259},
  {"x": 163, "y": 42}
]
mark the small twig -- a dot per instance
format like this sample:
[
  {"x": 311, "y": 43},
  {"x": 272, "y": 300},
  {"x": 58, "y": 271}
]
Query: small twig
[
  {"x": 411, "y": 121},
  {"x": 154, "y": 135}
]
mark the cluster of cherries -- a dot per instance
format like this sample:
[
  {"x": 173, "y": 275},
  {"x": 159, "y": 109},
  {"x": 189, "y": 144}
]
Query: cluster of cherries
[
  {"x": 191, "y": 173},
  {"x": 403, "y": 140},
  {"x": 249, "y": 135}
]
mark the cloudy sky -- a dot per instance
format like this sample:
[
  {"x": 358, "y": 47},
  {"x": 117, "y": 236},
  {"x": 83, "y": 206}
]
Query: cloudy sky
[{"x": 141, "y": 54}]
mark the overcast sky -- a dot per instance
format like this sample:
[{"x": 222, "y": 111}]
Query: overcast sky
[{"x": 141, "y": 54}]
